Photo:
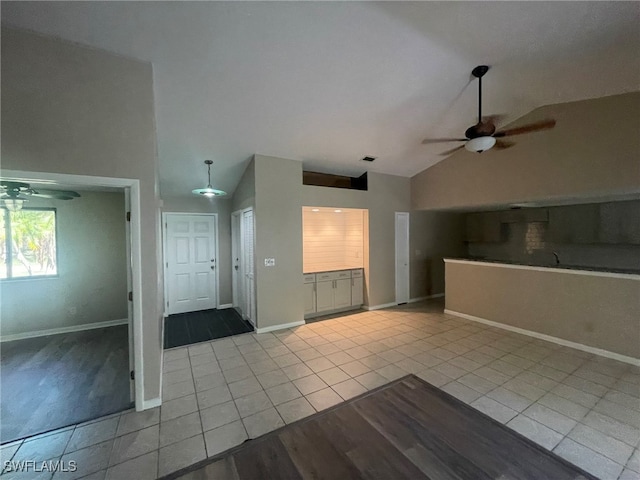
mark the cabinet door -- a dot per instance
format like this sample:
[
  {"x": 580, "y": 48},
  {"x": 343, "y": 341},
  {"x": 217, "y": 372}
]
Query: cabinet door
[
  {"x": 342, "y": 293},
  {"x": 309, "y": 298},
  {"x": 324, "y": 296},
  {"x": 357, "y": 291}
]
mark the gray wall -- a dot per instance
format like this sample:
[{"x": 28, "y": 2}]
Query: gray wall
[
  {"x": 433, "y": 236},
  {"x": 221, "y": 206},
  {"x": 597, "y": 311},
  {"x": 603, "y": 235},
  {"x": 592, "y": 151},
  {"x": 245, "y": 194},
  {"x": 91, "y": 285},
  {"x": 278, "y": 221},
  {"x": 75, "y": 110}
]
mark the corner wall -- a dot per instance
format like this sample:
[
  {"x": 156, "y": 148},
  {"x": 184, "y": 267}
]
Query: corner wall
[{"x": 73, "y": 110}]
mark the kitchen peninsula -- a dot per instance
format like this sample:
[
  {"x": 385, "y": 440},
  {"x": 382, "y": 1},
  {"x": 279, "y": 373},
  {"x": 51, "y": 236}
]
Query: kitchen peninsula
[{"x": 592, "y": 309}]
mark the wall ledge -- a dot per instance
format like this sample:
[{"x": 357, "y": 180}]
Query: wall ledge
[{"x": 548, "y": 338}]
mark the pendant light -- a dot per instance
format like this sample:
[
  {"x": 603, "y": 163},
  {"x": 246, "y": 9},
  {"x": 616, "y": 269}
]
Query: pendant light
[{"x": 209, "y": 191}]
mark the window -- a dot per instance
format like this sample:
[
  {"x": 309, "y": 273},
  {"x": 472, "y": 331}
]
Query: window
[{"x": 28, "y": 243}]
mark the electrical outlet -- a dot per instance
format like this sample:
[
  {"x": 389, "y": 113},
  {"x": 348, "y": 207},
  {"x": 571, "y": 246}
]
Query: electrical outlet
[{"x": 269, "y": 262}]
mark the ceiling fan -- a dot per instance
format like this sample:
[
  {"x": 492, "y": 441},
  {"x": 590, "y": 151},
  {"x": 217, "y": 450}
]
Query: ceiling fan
[
  {"x": 482, "y": 136},
  {"x": 14, "y": 194}
]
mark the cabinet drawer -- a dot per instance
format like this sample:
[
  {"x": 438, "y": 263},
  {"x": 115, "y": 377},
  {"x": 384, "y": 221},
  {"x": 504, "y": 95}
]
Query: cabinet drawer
[
  {"x": 338, "y": 275},
  {"x": 356, "y": 273},
  {"x": 309, "y": 278}
]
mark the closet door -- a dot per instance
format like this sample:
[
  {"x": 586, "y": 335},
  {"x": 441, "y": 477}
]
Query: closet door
[{"x": 248, "y": 261}]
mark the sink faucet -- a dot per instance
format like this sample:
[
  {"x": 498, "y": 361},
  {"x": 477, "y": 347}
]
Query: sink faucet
[{"x": 555, "y": 254}]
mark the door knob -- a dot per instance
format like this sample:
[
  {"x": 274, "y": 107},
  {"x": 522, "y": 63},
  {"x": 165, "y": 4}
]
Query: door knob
[
  {"x": 213, "y": 267},
  {"x": 236, "y": 267}
]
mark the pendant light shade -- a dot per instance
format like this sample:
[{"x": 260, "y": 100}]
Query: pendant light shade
[{"x": 209, "y": 191}]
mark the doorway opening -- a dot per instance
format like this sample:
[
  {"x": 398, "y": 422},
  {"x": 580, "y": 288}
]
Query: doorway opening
[
  {"x": 69, "y": 340},
  {"x": 191, "y": 259}
]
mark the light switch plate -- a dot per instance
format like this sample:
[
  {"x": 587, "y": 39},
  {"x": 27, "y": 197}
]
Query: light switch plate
[{"x": 269, "y": 262}]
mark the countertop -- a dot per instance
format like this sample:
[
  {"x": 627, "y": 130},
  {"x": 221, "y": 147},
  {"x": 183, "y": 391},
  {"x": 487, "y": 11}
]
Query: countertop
[{"x": 577, "y": 268}]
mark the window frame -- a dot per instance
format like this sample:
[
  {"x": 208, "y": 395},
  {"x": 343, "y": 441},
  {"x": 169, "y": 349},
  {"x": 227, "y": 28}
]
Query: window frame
[{"x": 7, "y": 216}]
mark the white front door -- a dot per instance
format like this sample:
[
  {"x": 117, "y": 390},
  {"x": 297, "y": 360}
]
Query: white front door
[
  {"x": 190, "y": 249},
  {"x": 402, "y": 257}
]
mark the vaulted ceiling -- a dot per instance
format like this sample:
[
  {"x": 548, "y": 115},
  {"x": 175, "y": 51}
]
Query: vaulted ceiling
[{"x": 330, "y": 82}]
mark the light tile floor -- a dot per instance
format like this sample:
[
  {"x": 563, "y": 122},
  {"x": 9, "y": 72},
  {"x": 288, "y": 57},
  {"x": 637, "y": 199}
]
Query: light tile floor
[{"x": 217, "y": 394}]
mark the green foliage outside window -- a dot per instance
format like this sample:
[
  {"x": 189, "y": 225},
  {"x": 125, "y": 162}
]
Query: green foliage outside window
[{"x": 28, "y": 243}]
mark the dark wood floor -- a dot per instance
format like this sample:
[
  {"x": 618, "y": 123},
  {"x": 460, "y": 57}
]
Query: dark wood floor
[
  {"x": 195, "y": 327},
  {"x": 59, "y": 380},
  {"x": 407, "y": 430}
]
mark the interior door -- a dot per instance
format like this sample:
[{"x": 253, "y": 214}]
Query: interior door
[
  {"x": 402, "y": 257},
  {"x": 248, "y": 266},
  {"x": 190, "y": 262}
]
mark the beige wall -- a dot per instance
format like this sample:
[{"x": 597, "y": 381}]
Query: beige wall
[
  {"x": 592, "y": 310},
  {"x": 91, "y": 284},
  {"x": 278, "y": 221},
  {"x": 75, "y": 110},
  {"x": 592, "y": 151},
  {"x": 386, "y": 195},
  {"x": 433, "y": 236}
]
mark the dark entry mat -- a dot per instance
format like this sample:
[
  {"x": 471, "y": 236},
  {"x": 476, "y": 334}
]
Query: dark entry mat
[{"x": 195, "y": 327}]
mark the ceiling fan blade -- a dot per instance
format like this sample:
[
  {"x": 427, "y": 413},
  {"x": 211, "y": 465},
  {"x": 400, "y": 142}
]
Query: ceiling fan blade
[
  {"x": 453, "y": 150},
  {"x": 427, "y": 141},
  {"x": 503, "y": 144},
  {"x": 532, "y": 127},
  {"x": 43, "y": 192},
  {"x": 53, "y": 196},
  {"x": 493, "y": 119}
]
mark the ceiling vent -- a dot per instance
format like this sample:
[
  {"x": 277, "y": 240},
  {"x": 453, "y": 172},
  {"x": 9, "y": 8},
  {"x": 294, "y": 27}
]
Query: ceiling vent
[{"x": 369, "y": 159}]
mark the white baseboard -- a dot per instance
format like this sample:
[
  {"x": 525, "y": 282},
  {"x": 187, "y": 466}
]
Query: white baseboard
[
  {"x": 394, "y": 304},
  {"x": 280, "y": 327},
  {"x": 55, "y": 331},
  {"x": 380, "y": 307},
  {"x": 225, "y": 305},
  {"x": 147, "y": 404},
  {"x": 560, "y": 341},
  {"x": 427, "y": 297}
]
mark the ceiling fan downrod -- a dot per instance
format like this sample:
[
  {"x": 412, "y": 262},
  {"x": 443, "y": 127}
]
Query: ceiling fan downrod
[{"x": 479, "y": 72}]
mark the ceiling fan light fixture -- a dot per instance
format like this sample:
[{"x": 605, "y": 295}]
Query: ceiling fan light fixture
[
  {"x": 14, "y": 204},
  {"x": 208, "y": 191},
  {"x": 480, "y": 144}
]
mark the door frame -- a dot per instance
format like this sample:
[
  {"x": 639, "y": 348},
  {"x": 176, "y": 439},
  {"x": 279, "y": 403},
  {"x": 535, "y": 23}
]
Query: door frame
[
  {"x": 131, "y": 188},
  {"x": 407, "y": 247},
  {"x": 236, "y": 247},
  {"x": 165, "y": 264}
]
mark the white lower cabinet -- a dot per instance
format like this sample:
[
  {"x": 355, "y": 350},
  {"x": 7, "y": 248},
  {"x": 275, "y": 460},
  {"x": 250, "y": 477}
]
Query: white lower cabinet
[
  {"x": 326, "y": 291},
  {"x": 324, "y": 295},
  {"x": 342, "y": 293},
  {"x": 357, "y": 291},
  {"x": 309, "y": 298}
]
